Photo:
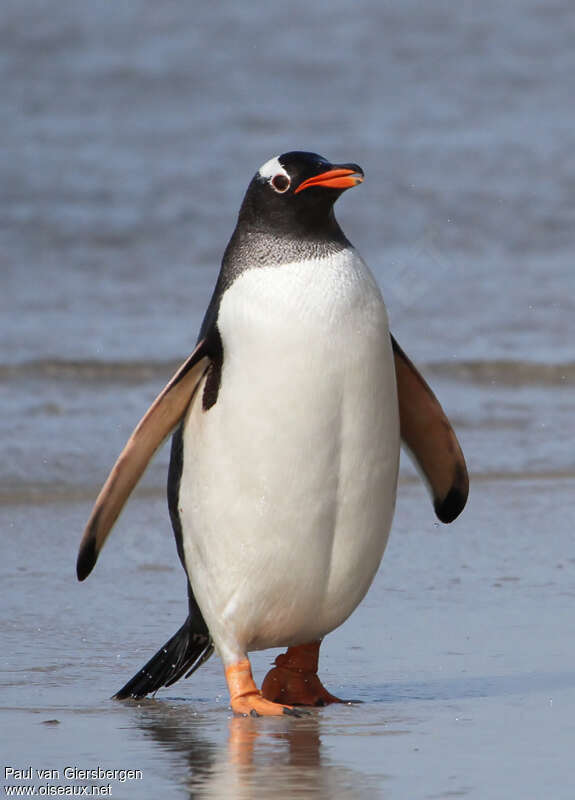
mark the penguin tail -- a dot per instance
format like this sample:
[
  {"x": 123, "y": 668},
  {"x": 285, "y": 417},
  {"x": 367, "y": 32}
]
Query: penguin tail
[{"x": 183, "y": 653}]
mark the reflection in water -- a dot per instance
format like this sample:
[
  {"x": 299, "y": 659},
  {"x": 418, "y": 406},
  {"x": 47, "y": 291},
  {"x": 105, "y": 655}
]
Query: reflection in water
[
  {"x": 211, "y": 755},
  {"x": 261, "y": 758},
  {"x": 301, "y": 741}
]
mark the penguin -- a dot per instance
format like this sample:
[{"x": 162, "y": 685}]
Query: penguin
[{"x": 286, "y": 425}]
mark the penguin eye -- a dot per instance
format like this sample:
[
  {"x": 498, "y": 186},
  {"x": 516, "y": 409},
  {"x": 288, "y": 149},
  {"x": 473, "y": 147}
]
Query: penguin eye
[{"x": 281, "y": 183}]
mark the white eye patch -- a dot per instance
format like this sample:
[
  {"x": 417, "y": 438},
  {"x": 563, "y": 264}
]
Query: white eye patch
[{"x": 272, "y": 168}]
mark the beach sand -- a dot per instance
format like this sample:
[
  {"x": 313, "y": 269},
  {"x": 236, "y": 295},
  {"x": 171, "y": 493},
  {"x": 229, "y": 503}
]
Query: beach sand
[{"x": 462, "y": 657}]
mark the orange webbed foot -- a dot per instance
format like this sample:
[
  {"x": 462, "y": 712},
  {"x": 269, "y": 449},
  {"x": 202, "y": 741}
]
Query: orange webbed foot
[
  {"x": 246, "y": 699},
  {"x": 294, "y": 679},
  {"x": 254, "y": 705}
]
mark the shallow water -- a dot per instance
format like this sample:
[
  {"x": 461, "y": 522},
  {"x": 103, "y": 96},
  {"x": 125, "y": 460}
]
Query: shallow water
[
  {"x": 128, "y": 138},
  {"x": 462, "y": 656}
]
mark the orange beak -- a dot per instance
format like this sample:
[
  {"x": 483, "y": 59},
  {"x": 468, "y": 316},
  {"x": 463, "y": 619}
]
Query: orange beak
[{"x": 342, "y": 178}]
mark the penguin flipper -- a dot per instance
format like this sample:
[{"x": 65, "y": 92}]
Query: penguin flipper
[
  {"x": 159, "y": 421},
  {"x": 427, "y": 433}
]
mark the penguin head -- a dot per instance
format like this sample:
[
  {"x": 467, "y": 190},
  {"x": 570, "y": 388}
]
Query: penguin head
[{"x": 294, "y": 193}]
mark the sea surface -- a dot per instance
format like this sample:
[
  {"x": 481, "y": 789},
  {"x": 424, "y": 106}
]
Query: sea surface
[{"x": 128, "y": 134}]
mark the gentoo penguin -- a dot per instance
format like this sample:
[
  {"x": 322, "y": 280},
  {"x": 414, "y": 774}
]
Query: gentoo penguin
[{"x": 287, "y": 417}]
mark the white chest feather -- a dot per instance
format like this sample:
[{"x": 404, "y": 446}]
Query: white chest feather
[{"x": 289, "y": 480}]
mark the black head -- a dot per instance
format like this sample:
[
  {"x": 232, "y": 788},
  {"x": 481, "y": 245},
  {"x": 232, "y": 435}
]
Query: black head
[{"x": 293, "y": 194}]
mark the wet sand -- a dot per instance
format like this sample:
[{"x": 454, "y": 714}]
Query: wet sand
[{"x": 462, "y": 656}]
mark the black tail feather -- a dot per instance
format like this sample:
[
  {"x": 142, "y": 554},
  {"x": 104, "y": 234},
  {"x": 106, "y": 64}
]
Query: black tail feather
[{"x": 184, "y": 652}]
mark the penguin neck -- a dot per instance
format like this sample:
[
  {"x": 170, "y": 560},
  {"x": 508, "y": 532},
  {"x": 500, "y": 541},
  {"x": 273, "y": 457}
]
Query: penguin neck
[{"x": 253, "y": 246}]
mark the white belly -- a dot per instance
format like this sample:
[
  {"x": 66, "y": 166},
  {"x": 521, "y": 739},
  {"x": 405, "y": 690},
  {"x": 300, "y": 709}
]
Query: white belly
[{"x": 289, "y": 480}]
